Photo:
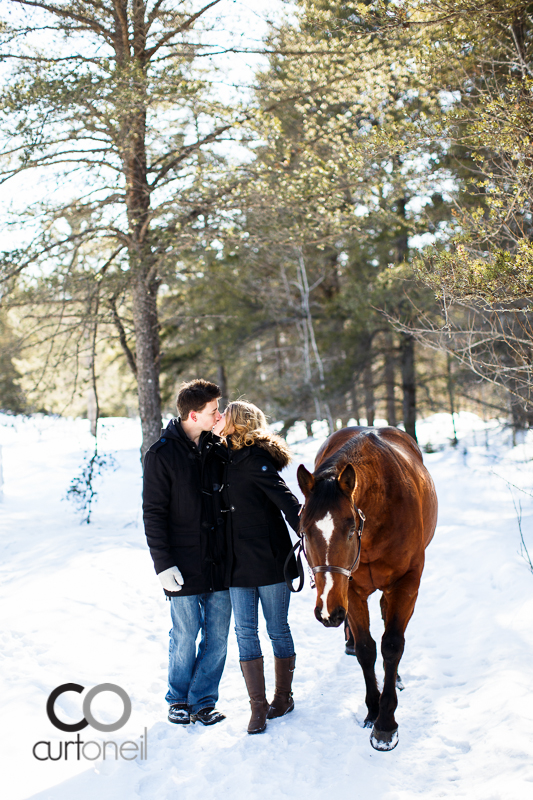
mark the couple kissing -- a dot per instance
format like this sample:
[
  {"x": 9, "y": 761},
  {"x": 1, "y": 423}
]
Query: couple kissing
[{"x": 214, "y": 505}]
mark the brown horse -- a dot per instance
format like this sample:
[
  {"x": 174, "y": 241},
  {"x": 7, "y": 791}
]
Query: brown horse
[{"x": 375, "y": 474}]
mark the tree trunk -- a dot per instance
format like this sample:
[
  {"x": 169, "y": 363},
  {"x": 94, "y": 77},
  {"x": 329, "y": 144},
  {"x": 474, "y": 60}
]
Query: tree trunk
[
  {"x": 131, "y": 60},
  {"x": 329, "y": 418},
  {"x": 146, "y": 325},
  {"x": 356, "y": 412},
  {"x": 287, "y": 425},
  {"x": 451, "y": 396},
  {"x": 407, "y": 346},
  {"x": 223, "y": 383},
  {"x": 408, "y": 383},
  {"x": 145, "y": 283},
  {"x": 368, "y": 384},
  {"x": 516, "y": 406},
  {"x": 92, "y": 410},
  {"x": 390, "y": 365},
  {"x": 92, "y": 397},
  {"x": 402, "y": 240}
]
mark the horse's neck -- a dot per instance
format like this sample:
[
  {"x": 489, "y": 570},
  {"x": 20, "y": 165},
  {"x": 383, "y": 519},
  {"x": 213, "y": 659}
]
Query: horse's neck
[{"x": 369, "y": 490}]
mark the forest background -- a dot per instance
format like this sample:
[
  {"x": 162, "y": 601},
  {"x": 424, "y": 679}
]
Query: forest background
[{"x": 326, "y": 210}]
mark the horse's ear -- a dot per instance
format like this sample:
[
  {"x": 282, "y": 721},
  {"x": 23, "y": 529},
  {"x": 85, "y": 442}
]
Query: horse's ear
[
  {"x": 306, "y": 480},
  {"x": 347, "y": 480}
]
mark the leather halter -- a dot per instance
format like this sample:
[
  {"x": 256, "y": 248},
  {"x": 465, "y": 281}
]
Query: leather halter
[{"x": 299, "y": 547}]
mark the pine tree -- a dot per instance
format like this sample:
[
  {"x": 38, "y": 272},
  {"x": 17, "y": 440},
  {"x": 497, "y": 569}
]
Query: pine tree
[{"x": 115, "y": 99}]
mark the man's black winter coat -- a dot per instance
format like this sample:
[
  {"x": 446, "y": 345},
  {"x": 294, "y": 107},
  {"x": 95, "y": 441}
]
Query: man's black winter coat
[
  {"x": 255, "y": 495},
  {"x": 182, "y": 517}
]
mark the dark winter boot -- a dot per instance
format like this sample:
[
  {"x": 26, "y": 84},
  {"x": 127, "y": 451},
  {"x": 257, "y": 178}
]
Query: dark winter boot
[
  {"x": 255, "y": 683},
  {"x": 282, "y": 703}
]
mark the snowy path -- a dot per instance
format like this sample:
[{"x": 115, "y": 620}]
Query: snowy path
[{"x": 81, "y": 604}]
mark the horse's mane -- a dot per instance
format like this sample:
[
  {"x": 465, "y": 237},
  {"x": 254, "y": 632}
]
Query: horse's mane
[
  {"x": 349, "y": 453},
  {"x": 327, "y": 489}
]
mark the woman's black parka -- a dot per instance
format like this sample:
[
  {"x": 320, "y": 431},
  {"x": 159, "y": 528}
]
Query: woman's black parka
[{"x": 254, "y": 495}]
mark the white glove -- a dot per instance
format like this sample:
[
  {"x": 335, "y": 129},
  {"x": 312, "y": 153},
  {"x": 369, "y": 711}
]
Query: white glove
[{"x": 171, "y": 579}]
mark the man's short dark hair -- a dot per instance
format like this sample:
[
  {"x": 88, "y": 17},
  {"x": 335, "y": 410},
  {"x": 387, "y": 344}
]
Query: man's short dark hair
[{"x": 195, "y": 395}]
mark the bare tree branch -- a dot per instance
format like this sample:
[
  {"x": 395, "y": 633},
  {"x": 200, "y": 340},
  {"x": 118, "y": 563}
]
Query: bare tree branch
[
  {"x": 112, "y": 303},
  {"x": 185, "y": 26},
  {"x": 67, "y": 14}
]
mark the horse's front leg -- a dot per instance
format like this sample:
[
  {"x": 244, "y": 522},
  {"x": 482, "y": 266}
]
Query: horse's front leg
[
  {"x": 383, "y": 604},
  {"x": 398, "y": 607},
  {"x": 365, "y": 650}
]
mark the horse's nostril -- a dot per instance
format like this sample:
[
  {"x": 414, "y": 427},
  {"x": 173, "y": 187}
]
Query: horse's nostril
[
  {"x": 318, "y": 614},
  {"x": 337, "y": 616}
]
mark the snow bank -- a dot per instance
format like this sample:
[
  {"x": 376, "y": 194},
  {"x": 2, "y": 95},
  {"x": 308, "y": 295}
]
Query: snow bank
[{"x": 80, "y": 603}]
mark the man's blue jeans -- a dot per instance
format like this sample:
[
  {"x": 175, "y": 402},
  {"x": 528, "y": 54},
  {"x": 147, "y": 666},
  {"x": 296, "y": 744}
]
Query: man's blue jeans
[
  {"x": 275, "y": 605},
  {"x": 193, "y": 677}
]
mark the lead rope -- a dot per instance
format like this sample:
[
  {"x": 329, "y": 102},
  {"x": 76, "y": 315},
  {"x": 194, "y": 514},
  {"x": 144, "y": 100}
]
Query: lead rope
[{"x": 297, "y": 546}]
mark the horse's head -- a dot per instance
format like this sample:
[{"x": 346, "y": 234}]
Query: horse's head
[{"x": 329, "y": 522}]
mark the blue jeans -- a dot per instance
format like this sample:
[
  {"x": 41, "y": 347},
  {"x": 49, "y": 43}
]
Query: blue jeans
[
  {"x": 193, "y": 677},
  {"x": 275, "y": 604}
]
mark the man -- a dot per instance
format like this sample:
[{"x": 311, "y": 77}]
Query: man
[{"x": 185, "y": 533}]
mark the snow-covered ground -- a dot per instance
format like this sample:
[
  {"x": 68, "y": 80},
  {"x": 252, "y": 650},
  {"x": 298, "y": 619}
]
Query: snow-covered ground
[{"x": 80, "y": 603}]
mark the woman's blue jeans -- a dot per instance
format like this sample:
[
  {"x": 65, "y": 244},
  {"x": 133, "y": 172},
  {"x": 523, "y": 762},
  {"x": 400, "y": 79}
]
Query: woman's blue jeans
[{"x": 275, "y": 605}]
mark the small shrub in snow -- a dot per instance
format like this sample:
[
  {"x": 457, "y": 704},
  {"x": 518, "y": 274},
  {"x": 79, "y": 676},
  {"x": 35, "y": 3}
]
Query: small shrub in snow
[{"x": 81, "y": 491}]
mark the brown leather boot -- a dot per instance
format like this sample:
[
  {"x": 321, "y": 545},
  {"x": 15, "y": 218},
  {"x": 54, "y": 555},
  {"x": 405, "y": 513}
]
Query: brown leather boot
[
  {"x": 282, "y": 703},
  {"x": 255, "y": 683}
]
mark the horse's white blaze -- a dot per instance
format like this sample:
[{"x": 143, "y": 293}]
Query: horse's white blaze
[
  {"x": 324, "y": 597},
  {"x": 325, "y": 527}
]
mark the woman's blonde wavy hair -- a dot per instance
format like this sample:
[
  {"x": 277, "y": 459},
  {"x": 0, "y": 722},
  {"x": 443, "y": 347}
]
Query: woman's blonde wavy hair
[{"x": 248, "y": 421}]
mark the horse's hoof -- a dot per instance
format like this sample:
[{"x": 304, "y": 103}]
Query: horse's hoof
[
  {"x": 399, "y": 684},
  {"x": 369, "y": 721},
  {"x": 384, "y": 740},
  {"x": 349, "y": 650}
]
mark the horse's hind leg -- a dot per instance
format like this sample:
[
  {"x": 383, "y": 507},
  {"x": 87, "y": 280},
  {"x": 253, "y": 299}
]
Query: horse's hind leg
[
  {"x": 365, "y": 650},
  {"x": 383, "y": 604},
  {"x": 349, "y": 641},
  {"x": 398, "y": 608}
]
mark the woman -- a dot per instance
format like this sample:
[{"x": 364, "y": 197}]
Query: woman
[{"x": 258, "y": 544}]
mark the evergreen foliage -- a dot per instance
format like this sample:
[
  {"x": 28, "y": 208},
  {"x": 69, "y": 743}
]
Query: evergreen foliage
[{"x": 383, "y": 203}]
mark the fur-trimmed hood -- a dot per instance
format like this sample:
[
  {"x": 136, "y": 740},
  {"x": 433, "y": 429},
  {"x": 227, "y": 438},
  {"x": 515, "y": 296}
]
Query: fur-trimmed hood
[{"x": 276, "y": 447}]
